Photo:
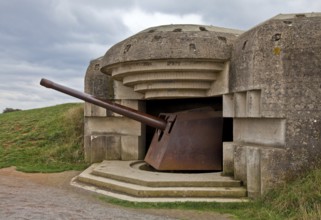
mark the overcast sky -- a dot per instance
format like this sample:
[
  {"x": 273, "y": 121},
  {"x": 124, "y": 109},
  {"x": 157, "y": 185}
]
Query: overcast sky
[{"x": 56, "y": 39}]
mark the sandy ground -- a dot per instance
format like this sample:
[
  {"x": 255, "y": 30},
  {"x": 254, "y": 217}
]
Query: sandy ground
[{"x": 49, "y": 196}]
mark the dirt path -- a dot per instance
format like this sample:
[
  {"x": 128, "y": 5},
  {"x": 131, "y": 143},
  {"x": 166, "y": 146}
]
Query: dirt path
[{"x": 49, "y": 196}]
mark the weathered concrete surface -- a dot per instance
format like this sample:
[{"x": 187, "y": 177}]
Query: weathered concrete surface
[
  {"x": 100, "y": 86},
  {"x": 228, "y": 158},
  {"x": 276, "y": 57},
  {"x": 279, "y": 60},
  {"x": 173, "y": 61},
  {"x": 107, "y": 134},
  {"x": 240, "y": 163},
  {"x": 253, "y": 171},
  {"x": 174, "y": 42},
  {"x": 97, "y": 83},
  {"x": 264, "y": 131},
  {"x": 125, "y": 180}
]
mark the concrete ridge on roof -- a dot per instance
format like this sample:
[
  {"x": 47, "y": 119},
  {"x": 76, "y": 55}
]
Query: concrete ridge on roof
[{"x": 191, "y": 27}]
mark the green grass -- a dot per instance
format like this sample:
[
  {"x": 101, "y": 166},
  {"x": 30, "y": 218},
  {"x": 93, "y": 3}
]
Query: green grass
[
  {"x": 43, "y": 140},
  {"x": 300, "y": 199},
  {"x": 253, "y": 210}
]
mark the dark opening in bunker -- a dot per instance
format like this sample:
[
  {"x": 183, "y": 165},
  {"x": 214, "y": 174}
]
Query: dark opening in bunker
[{"x": 155, "y": 107}]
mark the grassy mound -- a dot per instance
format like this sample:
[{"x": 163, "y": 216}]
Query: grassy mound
[{"x": 43, "y": 140}]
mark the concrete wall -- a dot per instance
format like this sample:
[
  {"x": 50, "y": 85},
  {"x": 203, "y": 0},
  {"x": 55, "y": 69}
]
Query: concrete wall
[
  {"x": 110, "y": 136},
  {"x": 275, "y": 100}
]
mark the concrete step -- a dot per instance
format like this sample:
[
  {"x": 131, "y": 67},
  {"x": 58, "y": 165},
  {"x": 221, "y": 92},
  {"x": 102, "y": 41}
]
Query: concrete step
[
  {"x": 136, "y": 172},
  {"x": 134, "y": 192},
  {"x": 143, "y": 191}
]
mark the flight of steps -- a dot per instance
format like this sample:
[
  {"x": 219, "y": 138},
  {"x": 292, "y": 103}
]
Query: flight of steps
[{"x": 131, "y": 181}]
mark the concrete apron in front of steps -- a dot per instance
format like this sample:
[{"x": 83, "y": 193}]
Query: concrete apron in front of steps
[{"x": 133, "y": 181}]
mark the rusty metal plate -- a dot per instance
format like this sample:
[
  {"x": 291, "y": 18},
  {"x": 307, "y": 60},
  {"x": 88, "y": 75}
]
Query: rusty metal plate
[{"x": 192, "y": 140}]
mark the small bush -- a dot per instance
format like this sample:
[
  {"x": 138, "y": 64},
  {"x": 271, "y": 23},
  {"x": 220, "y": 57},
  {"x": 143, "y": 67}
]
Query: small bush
[
  {"x": 7, "y": 110},
  {"x": 74, "y": 123},
  {"x": 73, "y": 130}
]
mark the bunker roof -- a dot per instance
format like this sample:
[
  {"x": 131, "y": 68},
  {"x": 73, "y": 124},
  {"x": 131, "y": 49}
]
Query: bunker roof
[{"x": 179, "y": 41}]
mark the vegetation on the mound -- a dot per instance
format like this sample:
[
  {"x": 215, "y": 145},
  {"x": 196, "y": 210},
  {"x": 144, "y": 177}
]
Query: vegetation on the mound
[
  {"x": 7, "y": 110},
  {"x": 43, "y": 140}
]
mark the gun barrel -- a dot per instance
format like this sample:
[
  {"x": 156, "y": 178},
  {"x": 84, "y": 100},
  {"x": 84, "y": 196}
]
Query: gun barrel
[{"x": 120, "y": 109}]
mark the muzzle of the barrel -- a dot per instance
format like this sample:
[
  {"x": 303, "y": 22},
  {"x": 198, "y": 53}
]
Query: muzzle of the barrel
[{"x": 46, "y": 83}]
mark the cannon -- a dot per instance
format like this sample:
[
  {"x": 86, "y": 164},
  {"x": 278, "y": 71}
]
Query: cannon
[{"x": 188, "y": 140}]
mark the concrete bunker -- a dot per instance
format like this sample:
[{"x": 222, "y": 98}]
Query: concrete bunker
[
  {"x": 172, "y": 74},
  {"x": 267, "y": 81}
]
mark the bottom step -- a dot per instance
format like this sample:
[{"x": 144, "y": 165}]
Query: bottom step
[{"x": 125, "y": 190}]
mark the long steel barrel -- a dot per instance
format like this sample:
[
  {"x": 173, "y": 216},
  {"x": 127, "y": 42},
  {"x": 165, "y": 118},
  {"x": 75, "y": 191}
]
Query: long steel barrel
[{"x": 120, "y": 109}]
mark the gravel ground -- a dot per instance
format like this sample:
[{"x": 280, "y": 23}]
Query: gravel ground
[{"x": 49, "y": 196}]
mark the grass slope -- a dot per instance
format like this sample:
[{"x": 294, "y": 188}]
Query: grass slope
[{"x": 43, "y": 140}]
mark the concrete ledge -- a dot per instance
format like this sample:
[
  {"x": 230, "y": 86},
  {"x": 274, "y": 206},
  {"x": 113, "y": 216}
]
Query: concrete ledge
[
  {"x": 168, "y": 187},
  {"x": 128, "y": 171},
  {"x": 260, "y": 131},
  {"x": 129, "y": 198},
  {"x": 173, "y": 78}
]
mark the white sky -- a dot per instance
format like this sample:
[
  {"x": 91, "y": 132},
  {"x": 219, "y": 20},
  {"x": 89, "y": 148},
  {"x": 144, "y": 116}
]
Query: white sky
[{"x": 56, "y": 39}]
